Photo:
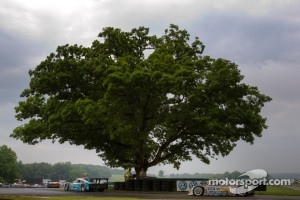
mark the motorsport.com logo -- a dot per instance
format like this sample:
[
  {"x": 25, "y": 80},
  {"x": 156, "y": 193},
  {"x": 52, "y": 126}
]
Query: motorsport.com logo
[{"x": 243, "y": 185}]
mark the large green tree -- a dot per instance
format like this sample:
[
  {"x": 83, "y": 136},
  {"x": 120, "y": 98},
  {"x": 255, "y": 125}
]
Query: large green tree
[
  {"x": 140, "y": 100},
  {"x": 9, "y": 170}
]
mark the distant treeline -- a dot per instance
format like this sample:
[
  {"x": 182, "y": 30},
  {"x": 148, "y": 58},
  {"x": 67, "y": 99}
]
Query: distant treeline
[
  {"x": 285, "y": 175},
  {"x": 229, "y": 175},
  {"x": 233, "y": 175},
  {"x": 68, "y": 171},
  {"x": 61, "y": 171}
]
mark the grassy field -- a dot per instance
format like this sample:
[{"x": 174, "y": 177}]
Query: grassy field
[
  {"x": 117, "y": 178},
  {"x": 280, "y": 190},
  {"x": 296, "y": 186},
  {"x": 271, "y": 190}
]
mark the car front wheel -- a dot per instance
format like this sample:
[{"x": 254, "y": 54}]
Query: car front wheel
[
  {"x": 82, "y": 188},
  {"x": 66, "y": 187},
  {"x": 198, "y": 191}
]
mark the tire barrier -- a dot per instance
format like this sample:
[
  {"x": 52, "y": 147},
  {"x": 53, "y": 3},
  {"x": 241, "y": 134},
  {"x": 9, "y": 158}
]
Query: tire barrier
[
  {"x": 138, "y": 184},
  {"x": 152, "y": 184},
  {"x": 122, "y": 186},
  {"x": 166, "y": 185},
  {"x": 116, "y": 185},
  {"x": 173, "y": 186},
  {"x": 147, "y": 185},
  {"x": 157, "y": 185},
  {"x": 129, "y": 185}
]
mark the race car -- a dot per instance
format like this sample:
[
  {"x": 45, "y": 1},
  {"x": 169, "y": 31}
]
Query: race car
[
  {"x": 53, "y": 184},
  {"x": 217, "y": 191},
  {"x": 88, "y": 184}
]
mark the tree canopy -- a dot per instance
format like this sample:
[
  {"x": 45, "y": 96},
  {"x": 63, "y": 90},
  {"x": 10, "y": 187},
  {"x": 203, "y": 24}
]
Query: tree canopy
[
  {"x": 140, "y": 100},
  {"x": 9, "y": 170}
]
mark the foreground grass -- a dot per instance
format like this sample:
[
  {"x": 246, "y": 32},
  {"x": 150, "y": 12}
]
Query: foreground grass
[
  {"x": 271, "y": 190},
  {"x": 6, "y": 197},
  {"x": 296, "y": 185},
  {"x": 279, "y": 190}
]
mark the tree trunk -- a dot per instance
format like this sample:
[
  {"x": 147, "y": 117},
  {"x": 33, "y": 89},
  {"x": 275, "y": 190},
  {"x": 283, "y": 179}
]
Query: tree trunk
[{"x": 141, "y": 172}]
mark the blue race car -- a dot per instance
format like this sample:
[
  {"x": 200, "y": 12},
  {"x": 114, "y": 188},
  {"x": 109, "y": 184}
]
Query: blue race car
[{"x": 88, "y": 184}]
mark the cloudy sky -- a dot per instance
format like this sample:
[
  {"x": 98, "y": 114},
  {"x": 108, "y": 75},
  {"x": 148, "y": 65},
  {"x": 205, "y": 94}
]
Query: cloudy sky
[{"x": 261, "y": 36}]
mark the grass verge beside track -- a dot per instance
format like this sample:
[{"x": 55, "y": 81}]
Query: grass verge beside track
[{"x": 279, "y": 190}]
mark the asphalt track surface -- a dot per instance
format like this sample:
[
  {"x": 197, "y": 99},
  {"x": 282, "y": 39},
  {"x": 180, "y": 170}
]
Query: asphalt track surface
[{"x": 50, "y": 192}]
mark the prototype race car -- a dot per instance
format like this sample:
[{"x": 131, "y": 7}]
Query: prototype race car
[
  {"x": 89, "y": 184},
  {"x": 217, "y": 191},
  {"x": 53, "y": 184}
]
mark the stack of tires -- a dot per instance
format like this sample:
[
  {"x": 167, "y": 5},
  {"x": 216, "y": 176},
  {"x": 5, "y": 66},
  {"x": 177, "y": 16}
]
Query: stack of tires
[
  {"x": 119, "y": 185},
  {"x": 151, "y": 184},
  {"x": 147, "y": 184}
]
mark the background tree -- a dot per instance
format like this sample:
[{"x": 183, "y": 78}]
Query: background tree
[
  {"x": 94, "y": 170},
  {"x": 161, "y": 173},
  {"x": 61, "y": 171},
  {"x": 75, "y": 172},
  {"x": 9, "y": 170},
  {"x": 140, "y": 100},
  {"x": 36, "y": 170}
]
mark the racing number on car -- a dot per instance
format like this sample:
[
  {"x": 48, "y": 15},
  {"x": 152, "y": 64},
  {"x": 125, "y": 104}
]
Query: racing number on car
[
  {"x": 182, "y": 185},
  {"x": 192, "y": 184}
]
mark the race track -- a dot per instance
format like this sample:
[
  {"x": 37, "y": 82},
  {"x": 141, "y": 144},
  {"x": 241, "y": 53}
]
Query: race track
[{"x": 48, "y": 192}]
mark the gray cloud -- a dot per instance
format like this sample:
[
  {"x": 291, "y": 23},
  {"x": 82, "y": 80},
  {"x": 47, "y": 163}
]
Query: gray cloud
[
  {"x": 17, "y": 55},
  {"x": 267, "y": 52},
  {"x": 248, "y": 39}
]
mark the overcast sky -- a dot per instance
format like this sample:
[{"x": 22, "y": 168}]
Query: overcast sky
[{"x": 261, "y": 36}]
